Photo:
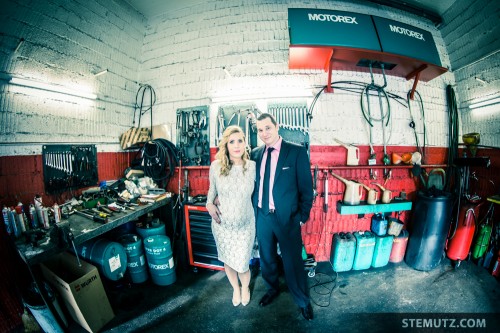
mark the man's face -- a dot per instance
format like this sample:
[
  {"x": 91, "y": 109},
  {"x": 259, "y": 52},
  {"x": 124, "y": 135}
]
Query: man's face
[{"x": 268, "y": 132}]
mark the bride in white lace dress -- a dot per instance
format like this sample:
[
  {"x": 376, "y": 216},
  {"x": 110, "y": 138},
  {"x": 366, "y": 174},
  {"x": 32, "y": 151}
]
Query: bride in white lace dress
[{"x": 232, "y": 180}]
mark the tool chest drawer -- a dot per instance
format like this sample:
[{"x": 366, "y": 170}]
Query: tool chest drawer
[{"x": 200, "y": 241}]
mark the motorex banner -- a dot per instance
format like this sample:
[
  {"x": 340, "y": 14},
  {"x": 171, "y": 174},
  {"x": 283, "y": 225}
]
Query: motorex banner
[{"x": 316, "y": 27}]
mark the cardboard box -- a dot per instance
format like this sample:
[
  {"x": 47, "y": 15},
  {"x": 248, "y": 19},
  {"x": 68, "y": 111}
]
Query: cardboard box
[{"x": 81, "y": 289}]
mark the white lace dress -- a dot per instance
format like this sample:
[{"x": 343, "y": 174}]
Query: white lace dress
[{"x": 235, "y": 235}]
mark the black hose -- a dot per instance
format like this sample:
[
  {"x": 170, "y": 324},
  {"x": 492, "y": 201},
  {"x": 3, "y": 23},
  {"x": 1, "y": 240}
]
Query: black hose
[
  {"x": 452, "y": 173},
  {"x": 160, "y": 157}
]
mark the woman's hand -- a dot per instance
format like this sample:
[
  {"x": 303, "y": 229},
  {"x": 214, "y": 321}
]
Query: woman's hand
[{"x": 214, "y": 212}]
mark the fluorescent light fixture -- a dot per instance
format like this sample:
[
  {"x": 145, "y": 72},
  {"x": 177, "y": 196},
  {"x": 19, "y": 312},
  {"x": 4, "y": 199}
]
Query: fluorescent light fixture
[
  {"x": 101, "y": 73},
  {"x": 50, "y": 87},
  {"x": 487, "y": 102},
  {"x": 480, "y": 80},
  {"x": 21, "y": 41}
]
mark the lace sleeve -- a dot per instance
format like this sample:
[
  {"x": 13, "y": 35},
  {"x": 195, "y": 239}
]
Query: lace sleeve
[{"x": 212, "y": 189}]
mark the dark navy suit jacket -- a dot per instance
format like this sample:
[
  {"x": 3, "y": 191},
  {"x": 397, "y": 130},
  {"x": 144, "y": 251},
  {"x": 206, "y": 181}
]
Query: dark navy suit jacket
[{"x": 292, "y": 188}]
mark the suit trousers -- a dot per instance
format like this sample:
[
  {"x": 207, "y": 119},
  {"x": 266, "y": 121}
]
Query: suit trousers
[{"x": 270, "y": 232}]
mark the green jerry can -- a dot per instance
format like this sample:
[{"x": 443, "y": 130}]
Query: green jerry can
[
  {"x": 343, "y": 250},
  {"x": 365, "y": 245},
  {"x": 382, "y": 251}
]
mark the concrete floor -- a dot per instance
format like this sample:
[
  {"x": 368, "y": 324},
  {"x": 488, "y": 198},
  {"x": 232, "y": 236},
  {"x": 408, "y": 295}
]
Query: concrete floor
[{"x": 392, "y": 298}]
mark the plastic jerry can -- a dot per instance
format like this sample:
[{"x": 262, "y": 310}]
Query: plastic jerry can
[
  {"x": 382, "y": 251},
  {"x": 379, "y": 225},
  {"x": 399, "y": 247},
  {"x": 343, "y": 250},
  {"x": 365, "y": 245}
]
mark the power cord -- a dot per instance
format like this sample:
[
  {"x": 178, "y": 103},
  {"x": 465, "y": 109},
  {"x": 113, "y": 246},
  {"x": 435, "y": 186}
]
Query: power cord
[{"x": 323, "y": 288}]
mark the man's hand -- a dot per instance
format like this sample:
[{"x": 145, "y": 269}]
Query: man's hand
[{"x": 214, "y": 212}]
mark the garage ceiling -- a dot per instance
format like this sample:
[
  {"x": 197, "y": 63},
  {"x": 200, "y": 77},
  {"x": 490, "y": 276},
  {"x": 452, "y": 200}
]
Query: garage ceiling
[{"x": 432, "y": 9}]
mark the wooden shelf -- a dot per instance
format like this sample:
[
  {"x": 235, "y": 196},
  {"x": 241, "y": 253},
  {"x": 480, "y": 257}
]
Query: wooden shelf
[{"x": 363, "y": 208}]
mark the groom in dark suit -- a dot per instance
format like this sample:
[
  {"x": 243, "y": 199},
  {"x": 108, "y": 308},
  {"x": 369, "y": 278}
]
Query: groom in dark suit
[{"x": 283, "y": 199}]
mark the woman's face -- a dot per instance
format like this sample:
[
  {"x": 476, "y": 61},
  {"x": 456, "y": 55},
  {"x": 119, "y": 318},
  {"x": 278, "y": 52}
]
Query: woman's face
[{"x": 236, "y": 146}]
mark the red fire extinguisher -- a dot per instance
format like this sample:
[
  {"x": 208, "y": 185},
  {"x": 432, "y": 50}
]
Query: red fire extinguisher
[{"x": 460, "y": 241}]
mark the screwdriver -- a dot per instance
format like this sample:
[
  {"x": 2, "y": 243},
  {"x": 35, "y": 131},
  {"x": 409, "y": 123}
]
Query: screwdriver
[{"x": 94, "y": 218}]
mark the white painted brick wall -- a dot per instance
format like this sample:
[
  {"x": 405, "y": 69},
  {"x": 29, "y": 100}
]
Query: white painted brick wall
[
  {"x": 250, "y": 39},
  {"x": 472, "y": 35},
  {"x": 66, "y": 42},
  {"x": 181, "y": 54}
]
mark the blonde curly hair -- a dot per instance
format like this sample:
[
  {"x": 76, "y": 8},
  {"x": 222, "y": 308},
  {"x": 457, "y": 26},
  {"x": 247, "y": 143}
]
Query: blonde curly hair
[{"x": 223, "y": 154}]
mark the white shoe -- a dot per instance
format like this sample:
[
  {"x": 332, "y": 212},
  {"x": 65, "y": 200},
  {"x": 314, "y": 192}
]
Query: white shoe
[
  {"x": 236, "y": 297},
  {"x": 245, "y": 296}
]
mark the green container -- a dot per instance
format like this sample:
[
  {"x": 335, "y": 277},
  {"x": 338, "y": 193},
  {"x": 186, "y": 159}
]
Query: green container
[
  {"x": 160, "y": 260},
  {"x": 482, "y": 240},
  {"x": 109, "y": 257},
  {"x": 151, "y": 230},
  {"x": 137, "y": 269},
  {"x": 365, "y": 245},
  {"x": 382, "y": 251},
  {"x": 343, "y": 250}
]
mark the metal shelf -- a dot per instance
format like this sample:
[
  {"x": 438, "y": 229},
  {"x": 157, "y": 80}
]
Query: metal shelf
[{"x": 363, "y": 208}]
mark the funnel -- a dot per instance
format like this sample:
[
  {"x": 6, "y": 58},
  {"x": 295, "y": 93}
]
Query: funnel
[{"x": 471, "y": 140}]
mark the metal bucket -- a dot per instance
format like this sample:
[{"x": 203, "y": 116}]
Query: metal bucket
[
  {"x": 160, "y": 260},
  {"x": 365, "y": 244},
  {"x": 382, "y": 251},
  {"x": 399, "y": 247},
  {"x": 109, "y": 257},
  {"x": 343, "y": 249},
  {"x": 136, "y": 261}
]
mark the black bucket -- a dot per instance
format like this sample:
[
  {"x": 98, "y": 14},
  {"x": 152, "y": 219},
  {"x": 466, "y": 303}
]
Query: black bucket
[{"x": 429, "y": 229}]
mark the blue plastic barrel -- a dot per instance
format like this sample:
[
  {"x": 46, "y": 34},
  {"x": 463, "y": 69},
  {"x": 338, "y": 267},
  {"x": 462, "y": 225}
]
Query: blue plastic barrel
[
  {"x": 343, "y": 250},
  {"x": 137, "y": 269},
  {"x": 109, "y": 257},
  {"x": 365, "y": 245},
  {"x": 160, "y": 260},
  {"x": 382, "y": 250}
]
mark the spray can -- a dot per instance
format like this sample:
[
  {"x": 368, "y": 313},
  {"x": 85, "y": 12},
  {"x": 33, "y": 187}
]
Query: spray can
[
  {"x": 21, "y": 218},
  {"x": 5, "y": 215},
  {"x": 38, "y": 209},
  {"x": 45, "y": 218},
  {"x": 57, "y": 212},
  {"x": 16, "y": 230},
  {"x": 33, "y": 217}
]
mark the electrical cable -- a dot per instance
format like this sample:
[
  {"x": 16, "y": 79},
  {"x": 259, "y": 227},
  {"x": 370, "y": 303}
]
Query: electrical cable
[
  {"x": 323, "y": 288},
  {"x": 420, "y": 149},
  {"x": 143, "y": 88}
]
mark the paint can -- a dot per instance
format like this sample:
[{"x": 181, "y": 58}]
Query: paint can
[{"x": 160, "y": 260}]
